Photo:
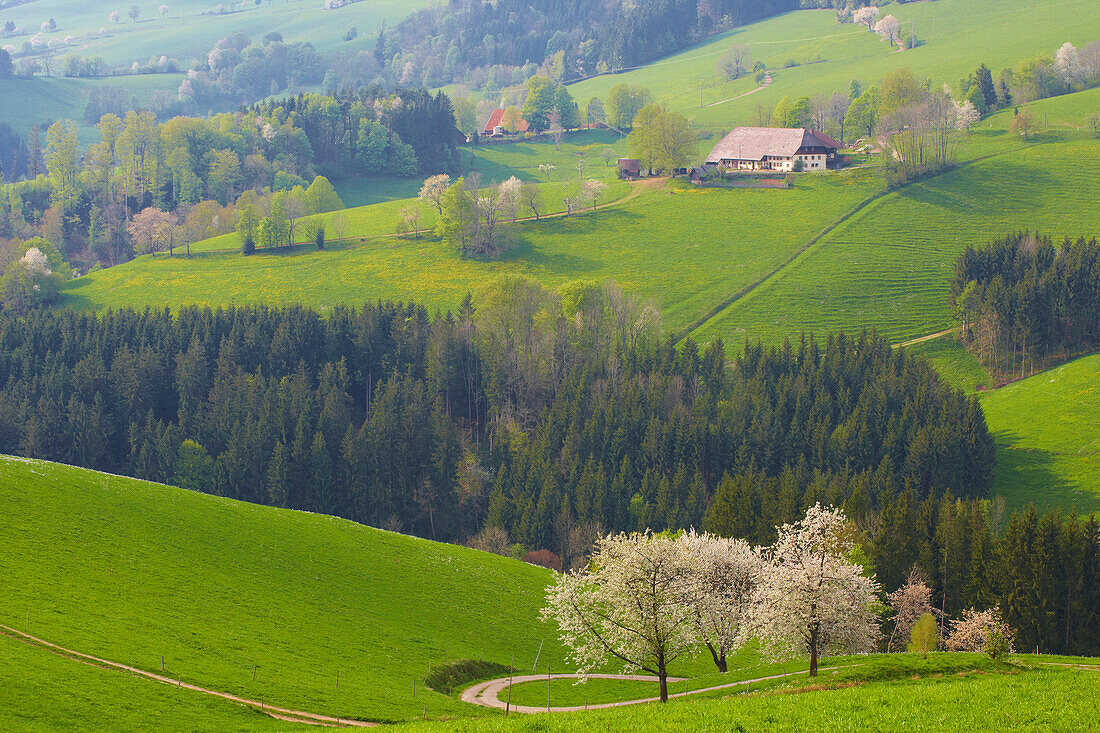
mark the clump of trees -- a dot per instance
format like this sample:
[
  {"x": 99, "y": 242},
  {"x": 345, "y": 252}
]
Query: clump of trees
[
  {"x": 1022, "y": 302},
  {"x": 32, "y": 274},
  {"x": 662, "y": 140}
]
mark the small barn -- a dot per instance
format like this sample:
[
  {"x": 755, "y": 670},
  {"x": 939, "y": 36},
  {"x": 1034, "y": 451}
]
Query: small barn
[{"x": 630, "y": 169}]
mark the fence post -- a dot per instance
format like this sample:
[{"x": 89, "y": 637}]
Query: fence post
[
  {"x": 547, "y": 688},
  {"x": 535, "y": 668},
  {"x": 508, "y": 705}
]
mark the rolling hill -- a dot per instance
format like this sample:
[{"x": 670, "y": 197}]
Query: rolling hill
[
  {"x": 130, "y": 571},
  {"x": 956, "y": 36}
]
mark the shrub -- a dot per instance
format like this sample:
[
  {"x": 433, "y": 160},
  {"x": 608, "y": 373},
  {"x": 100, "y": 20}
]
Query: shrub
[
  {"x": 446, "y": 678},
  {"x": 248, "y": 246},
  {"x": 925, "y": 636},
  {"x": 544, "y": 559},
  {"x": 319, "y": 238}
]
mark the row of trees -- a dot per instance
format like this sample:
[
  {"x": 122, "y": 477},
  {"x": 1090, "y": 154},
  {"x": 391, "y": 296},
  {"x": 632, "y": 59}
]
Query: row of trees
[
  {"x": 647, "y": 599},
  {"x": 1022, "y": 301}
]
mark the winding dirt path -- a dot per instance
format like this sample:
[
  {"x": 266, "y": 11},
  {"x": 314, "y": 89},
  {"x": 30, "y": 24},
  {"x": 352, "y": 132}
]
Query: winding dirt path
[
  {"x": 487, "y": 694},
  {"x": 767, "y": 81},
  {"x": 292, "y": 716}
]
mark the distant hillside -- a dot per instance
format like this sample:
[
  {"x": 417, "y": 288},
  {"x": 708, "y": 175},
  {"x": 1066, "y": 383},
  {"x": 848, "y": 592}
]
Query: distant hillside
[{"x": 129, "y": 571}]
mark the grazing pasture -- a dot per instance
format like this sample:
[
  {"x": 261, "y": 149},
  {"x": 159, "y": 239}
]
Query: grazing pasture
[{"x": 129, "y": 571}]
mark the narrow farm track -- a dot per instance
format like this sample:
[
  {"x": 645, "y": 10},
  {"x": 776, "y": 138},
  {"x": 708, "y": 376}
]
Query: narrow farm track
[
  {"x": 293, "y": 716},
  {"x": 922, "y": 339},
  {"x": 487, "y": 694},
  {"x": 767, "y": 81}
]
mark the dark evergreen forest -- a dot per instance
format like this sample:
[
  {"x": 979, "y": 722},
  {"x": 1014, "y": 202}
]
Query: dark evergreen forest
[
  {"x": 540, "y": 414},
  {"x": 1023, "y": 302}
]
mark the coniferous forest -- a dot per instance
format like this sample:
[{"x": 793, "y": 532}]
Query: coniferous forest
[
  {"x": 541, "y": 413},
  {"x": 1023, "y": 302}
]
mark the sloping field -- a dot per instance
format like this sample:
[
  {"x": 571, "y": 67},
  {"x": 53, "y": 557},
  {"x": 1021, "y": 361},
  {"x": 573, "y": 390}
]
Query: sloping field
[
  {"x": 1047, "y": 429},
  {"x": 130, "y": 571},
  {"x": 889, "y": 266},
  {"x": 685, "y": 248},
  {"x": 191, "y": 27},
  {"x": 956, "y": 36},
  {"x": 42, "y": 691}
]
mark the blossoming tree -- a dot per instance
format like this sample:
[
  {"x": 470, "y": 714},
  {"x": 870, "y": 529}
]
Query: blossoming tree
[
  {"x": 633, "y": 603},
  {"x": 813, "y": 599},
  {"x": 724, "y": 577}
]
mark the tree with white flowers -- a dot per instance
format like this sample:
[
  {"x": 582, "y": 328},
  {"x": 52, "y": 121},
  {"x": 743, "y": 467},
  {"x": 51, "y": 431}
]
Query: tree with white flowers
[
  {"x": 966, "y": 114},
  {"x": 632, "y": 603},
  {"x": 1067, "y": 62},
  {"x": 909, "y": 603},
  {"x": 866, "y": 15},
  {"x": 433, "y": 189},
  {"x": 723, "y": 580},
  {"x": 980, "y": 631},
  {"x": 889, "y": 29},
  {"x": 813, "y": 599}
]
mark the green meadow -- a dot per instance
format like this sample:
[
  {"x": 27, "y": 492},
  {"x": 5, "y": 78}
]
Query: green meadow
[
  {"x": 684, "y": 248},
  {"x": 886, "y": 693},
  {"x": 956, "y": 36},
  {"x": 1047, "y": 429},
  {"x": 192, "y": 27},
  {"x": 130, "y": 571},
  {"x": 889, "y": 266},
  {"x": 46, "y": 692}
]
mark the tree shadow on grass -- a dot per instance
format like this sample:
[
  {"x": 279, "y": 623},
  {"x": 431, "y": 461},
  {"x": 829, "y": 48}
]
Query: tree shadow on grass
[
  {"x": 1027, "y": 475},
  {"x": 546, "y": 244}
]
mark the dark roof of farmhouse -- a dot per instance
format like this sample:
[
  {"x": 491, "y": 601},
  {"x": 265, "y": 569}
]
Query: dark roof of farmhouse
[{"x": 753, "y": 143}]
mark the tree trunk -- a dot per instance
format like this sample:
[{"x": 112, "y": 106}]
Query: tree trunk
[
  {"x": 719, "y": 657},
  {"x": 813, "y": 649},
  {"x": 662, "y": 674}
]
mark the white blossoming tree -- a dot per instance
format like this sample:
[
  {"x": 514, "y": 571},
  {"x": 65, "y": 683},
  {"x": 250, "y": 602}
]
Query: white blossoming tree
[
  {"x": 812, "y": 599},
  {"x": 889, "y": 29},
  {"x": 433, "y": 189},
  {"x": 632, "y": 603},
  {"x": 966, "y": 114},
  {"x": 724, "y": 577},
  {"x": 36, "y": 263},
  {"x": 1067, "y": 62},
  {"x": 866, "y": 15}
]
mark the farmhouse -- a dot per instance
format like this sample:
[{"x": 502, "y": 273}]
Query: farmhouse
[
  {"x": 774, "y": 149},
  {"x": 495, "y": 126}
]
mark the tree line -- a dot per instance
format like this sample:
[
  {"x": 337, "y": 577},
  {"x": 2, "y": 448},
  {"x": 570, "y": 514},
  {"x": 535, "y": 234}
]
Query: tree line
[{"x": 1023, "y": 302}]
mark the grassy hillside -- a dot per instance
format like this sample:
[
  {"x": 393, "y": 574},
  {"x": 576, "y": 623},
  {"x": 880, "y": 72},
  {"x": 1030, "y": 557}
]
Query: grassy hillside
[
  {"x": 877, "y": 698},
  {"x": 685, "y": 248},
  {"x": 889, "y": 266},
  {"x": 41, "y": 101},
  {"x": 130, "y": 571},
  {"x": 44, "y": 692},
  {"x": 957, "y": 35},
  {"x": 191, "y": 27},
  {"x": 1047, "y": 429}
]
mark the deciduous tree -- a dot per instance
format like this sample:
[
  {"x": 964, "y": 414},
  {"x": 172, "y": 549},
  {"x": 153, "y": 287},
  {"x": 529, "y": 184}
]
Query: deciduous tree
[
  {"x": 632, "y": 603},
  {"x": 813, "y": 599}
]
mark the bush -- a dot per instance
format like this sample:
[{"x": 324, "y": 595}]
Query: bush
[
  {"x": 544, "y": 559},
  {"x": 798, "y": 166},
  {"x": 319, "y": 238},
  {"x": 446, "y": 678},
  {"x": 248, "y": 246},
  {"x": 925, "y": 636}
]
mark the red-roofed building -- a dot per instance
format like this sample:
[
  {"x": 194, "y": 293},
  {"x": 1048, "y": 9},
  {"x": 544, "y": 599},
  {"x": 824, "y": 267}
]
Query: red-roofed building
[{"x": 495, "y": 125}]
